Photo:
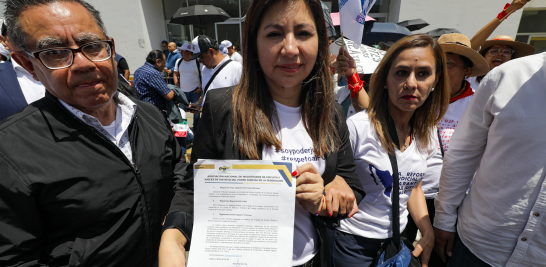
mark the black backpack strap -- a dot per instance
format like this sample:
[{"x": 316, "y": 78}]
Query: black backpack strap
[
  {"x": 214, "y": 76},
  {"x": 198, "y": 69},
  {"x": 440, "y": 141},
  {"x": 395, "y": 186}
]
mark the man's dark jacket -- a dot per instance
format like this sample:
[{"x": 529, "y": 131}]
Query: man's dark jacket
[
  {"x": 214, "y": 140},
  {"x": 70, "y": 197}
]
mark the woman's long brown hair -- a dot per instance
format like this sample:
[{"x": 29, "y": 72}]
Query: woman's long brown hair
[
  {"x": 254, "y": 115},
  {"x": 425, "y": 117}
]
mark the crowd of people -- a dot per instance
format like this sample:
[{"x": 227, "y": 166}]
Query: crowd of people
[{"x": 447, "y": 129}]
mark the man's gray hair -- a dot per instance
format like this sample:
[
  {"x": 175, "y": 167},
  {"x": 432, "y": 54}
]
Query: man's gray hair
[{"x": 14, "y": 8}]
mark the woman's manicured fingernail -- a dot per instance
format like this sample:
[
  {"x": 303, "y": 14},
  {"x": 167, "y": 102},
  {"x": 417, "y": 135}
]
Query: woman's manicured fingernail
[
  {"x": 329, "y": 213},
  {"x": 351, "y": 216},
  {"x": 295, "y": 173}
]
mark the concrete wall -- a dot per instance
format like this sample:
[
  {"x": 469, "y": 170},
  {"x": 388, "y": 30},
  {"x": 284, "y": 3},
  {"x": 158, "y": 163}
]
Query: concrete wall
[
  {"x": 394, "y": 11},
  {"x": 137, "y": 27},
  {"x": 467, "y": 16}
]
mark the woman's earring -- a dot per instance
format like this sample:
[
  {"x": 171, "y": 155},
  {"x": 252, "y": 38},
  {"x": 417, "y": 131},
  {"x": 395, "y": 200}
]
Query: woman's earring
[{"x": 432, "y": 89}]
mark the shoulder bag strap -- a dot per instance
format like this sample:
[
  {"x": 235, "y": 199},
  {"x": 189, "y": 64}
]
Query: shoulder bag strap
[
  {"x": 214, "y": 76},
  {"x": 440, "y": 141},
  {"x": 395, "y": 186},
  {"x": 198, "y": 69}
]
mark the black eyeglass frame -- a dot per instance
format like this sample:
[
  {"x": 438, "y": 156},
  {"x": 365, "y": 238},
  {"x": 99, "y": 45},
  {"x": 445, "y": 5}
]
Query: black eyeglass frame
[{"x": 36, "y": 54}]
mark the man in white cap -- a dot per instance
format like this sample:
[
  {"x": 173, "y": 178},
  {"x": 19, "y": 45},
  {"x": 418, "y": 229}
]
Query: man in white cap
[
  {"x": 224, "y": 47},
  {"x": 219, "y": 71},
  {"x": 189, "y": 72},
  {"x": 227, "y": 48}
]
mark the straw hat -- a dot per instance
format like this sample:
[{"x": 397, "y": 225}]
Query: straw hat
[
  {"x": 520, "y": 49},
  {"x": 459, "y": 44}
]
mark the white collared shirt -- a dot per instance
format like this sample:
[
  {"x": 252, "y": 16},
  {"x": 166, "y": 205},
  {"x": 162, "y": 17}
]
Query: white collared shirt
[
  {"x": 32, "y": 90},
  {"x": 117, "y": 132},
  {"x": 237, "y": 57},
  {"x": 501, "y": 135}
]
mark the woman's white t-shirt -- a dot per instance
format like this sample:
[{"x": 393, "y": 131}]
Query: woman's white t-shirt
[
  {"x": 447, "y": 126},
  {"x": 373, "y": 166},
  {"x": 297, "y": 147}
]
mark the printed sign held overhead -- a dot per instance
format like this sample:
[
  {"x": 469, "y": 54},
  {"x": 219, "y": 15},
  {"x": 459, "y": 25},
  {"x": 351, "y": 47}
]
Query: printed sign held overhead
[{"x": 366, "y": 57}]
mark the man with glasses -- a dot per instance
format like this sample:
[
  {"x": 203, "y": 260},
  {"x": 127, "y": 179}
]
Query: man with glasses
[{"x": 88, "y": 174}]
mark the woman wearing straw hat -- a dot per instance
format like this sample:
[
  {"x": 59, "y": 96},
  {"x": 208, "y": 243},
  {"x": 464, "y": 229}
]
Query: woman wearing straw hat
[
  {"x": 462, "y": 62},
  {"x": 498, "y": 51},
  {"x": 502, "y": 48}
]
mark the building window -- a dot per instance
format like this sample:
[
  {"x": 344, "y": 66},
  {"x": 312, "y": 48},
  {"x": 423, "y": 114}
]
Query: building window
[
  {"x": 532, "y": 29},
  {"x": 533, "y": 21}
]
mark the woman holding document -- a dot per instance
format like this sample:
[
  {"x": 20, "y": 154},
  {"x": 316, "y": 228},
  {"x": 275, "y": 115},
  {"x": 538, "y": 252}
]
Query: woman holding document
[
  {"x": 409, "y": 94},
  {"x": 284, "y": 109}
]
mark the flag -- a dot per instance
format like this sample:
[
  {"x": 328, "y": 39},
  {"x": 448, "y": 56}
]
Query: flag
[
  {"x": 352, "y": 15},
  {"x": 181, "y": 129}
]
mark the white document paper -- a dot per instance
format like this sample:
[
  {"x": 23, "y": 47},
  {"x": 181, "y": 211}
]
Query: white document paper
[{"x": 243, "y": 214}]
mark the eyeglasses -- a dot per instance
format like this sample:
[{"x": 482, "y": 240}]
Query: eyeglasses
[
  {"x": 63, "y": 57},
  {"x": 202, "y": 55},
  {"x": 505, "y": 52}
]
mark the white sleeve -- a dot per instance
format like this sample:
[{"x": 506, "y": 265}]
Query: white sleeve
[
  {"x": 466, "y": 148},
  {"x": 353, "y": 137},
  {"x": 237, "y": 74}
]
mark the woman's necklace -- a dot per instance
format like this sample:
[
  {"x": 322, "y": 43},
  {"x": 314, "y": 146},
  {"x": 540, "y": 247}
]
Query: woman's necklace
[{"x": 405, "y": 137}]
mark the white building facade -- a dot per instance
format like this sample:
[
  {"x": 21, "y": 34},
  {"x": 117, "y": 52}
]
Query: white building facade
[{"x": 139, "y": 26}]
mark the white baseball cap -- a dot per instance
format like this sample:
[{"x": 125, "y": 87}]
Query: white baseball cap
[
  {"x": 186, "y": 47},
  {"x": 224, "y": 46}
]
